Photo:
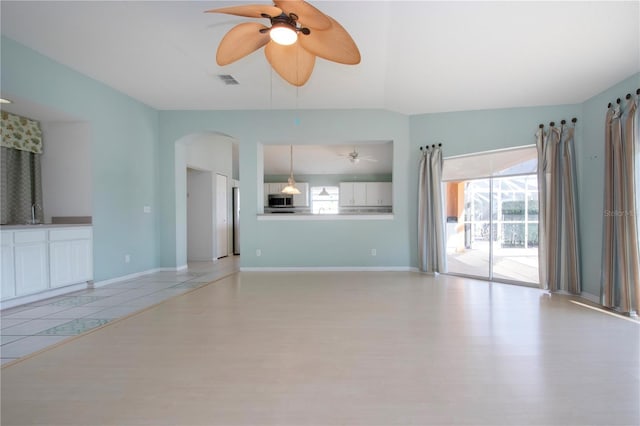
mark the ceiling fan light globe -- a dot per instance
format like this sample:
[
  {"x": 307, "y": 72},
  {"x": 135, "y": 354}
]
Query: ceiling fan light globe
[{"x": 283, "y": 34}]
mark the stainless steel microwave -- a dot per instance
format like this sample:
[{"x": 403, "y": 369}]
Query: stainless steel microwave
[{"x": 280, "y": 200}]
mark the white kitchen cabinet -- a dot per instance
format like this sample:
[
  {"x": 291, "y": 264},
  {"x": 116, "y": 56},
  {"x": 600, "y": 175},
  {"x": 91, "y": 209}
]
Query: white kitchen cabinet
[
  {"x": 36, "y": 260},
  {"x": 8, "y": 277},
  {"x": 353, "y": 194},
  {"x": 70, "y": 256},
  {"x": 30, "y": 261},
  {"x": 379, "y": 194},
  {"x": 301, "y": 199}
]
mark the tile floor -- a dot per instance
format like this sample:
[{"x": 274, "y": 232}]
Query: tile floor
[{"x": 31, "y": 327}]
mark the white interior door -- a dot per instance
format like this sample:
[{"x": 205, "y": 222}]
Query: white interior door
[{"x": 222, "y": 219}]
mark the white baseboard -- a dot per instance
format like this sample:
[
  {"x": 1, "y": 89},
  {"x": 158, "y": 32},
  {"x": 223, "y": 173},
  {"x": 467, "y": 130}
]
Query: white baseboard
[
  {"x": 46, "y": 294},
  {"x": 136, "y": 275},
  {"x": 329, "y": 269},
  {"x": 590, "y": 297}
]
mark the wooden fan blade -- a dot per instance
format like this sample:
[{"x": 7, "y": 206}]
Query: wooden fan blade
[
  {"x": 308, "y": 16},
  {"x": 293, "y": 63},
  {"x": 334, "y": 44},
  {"x": 249, "y": 10},
  {"x": 241, "y": 40}
]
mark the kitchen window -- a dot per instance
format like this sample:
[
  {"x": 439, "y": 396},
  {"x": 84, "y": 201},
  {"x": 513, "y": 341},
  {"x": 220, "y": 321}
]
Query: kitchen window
[{"x": 325, "y": 199}]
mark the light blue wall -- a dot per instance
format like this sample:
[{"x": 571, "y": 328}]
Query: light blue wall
[
  {"x": 476, "y": 131},
  {"x": 133, "y": 154},
  {"x": 283, "y": 244},
  {"x": 590, "y": 153},
  {"x": 124, "y": 135}
]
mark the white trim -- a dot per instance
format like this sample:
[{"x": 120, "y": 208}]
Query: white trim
[
  {"x": 322, "y": 217},
  {"x": 46, "y": 294},
  {"x": 136, "y": 275},
  {"x": 473, "y": 154},
  {"x": 329, "y": 269}
]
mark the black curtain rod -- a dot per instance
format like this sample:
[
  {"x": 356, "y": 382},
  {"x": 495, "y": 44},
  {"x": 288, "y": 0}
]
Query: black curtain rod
[
  {"x": 427, "y": 146},
  {"x": 626, "y": 97},
  {"x": 563, "y": 122}
]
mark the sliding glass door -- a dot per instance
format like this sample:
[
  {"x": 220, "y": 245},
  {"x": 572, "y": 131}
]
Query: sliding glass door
[{"x": 492, "y": 222}]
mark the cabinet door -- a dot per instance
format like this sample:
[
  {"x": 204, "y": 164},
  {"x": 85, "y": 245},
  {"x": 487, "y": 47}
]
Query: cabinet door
[
  {"x": 379, "y": 194},
  {"x": 359, "y": 194},
  {"x": 71, "y": 262},
  {"x": 8, "y": 272},
  {"x": 82, "y": 257},
  {"x": 31, "y": 268},
  {"x": 346, "y": 194},
  {"x": 386, "y": 194},
  {"x": 276, "y": 188},
  {"x": 301, "y": 199},
  {"x": 60, "y": 263}
]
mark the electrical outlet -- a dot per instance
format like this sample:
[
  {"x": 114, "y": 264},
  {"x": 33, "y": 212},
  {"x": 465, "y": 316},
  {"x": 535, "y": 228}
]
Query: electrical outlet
[
  {"x": 127, "y": 258},
  {"x": 374, "y": 252},
  {"x": 258, "y": 252},
  {"x": 147, "y": 209}
]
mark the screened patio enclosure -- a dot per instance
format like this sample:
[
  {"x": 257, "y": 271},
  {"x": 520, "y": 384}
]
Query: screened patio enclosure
[{"x": 492, "y": 215}]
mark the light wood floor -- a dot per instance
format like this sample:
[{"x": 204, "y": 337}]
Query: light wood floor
[{"x": 330, "y": 348}]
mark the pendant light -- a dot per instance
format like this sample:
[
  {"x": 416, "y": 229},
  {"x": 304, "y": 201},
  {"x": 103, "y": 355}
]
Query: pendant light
[
  {"x": 291, "y": 186},
  {"x": 324, "y": 192}
]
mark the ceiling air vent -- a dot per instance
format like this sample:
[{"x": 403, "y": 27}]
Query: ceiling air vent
[{"x": 228, "y": 79}]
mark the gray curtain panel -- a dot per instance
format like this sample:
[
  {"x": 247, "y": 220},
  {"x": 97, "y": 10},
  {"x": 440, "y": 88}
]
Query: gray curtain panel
[
  {"x": 431, "y": 232},
  {"x": 570, "y": 243},
  {"x": 543, "y": 206},
  {"x": 20, "y": 186},
  {"x": 620, "y": 283},
  {"x": 558, "y": 253}
]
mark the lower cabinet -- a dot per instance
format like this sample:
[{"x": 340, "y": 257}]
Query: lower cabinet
[
  {"x": 37, "y": 260},
  {"x": 70, "y": 256},
  {"x": 31, "y": 267}
]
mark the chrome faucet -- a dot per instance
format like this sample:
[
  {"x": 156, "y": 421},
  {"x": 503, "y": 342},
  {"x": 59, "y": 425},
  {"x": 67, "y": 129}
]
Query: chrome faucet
[{"x": 34, "y": 206}]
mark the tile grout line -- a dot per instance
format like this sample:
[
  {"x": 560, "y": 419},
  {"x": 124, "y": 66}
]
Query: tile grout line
[{"x": 114, "y": 321}]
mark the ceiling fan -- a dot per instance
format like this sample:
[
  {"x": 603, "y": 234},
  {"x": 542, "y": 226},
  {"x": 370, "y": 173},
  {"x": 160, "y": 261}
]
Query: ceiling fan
[
  {"x": 355, "y": 157},
  {"x": 298, "y": 33}
]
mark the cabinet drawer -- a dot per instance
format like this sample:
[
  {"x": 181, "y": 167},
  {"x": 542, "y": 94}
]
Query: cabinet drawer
[
  {"x": 70, "y": 234},
  {"x": 21, "y": 237}
]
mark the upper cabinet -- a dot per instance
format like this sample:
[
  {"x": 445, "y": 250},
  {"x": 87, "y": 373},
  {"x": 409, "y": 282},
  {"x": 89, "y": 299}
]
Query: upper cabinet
[
  {"x": 379, "y": 194},
  {"x": 365, "y": 194}
]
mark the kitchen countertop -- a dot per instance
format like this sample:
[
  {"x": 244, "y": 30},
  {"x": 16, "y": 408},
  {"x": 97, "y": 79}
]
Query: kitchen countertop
[
  {"x": 322, "y": 217},
  {"x": 42, "y": 225}
]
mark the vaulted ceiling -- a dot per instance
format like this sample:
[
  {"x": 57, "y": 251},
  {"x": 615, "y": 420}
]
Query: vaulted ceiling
[{"x": 417, "y": 56}]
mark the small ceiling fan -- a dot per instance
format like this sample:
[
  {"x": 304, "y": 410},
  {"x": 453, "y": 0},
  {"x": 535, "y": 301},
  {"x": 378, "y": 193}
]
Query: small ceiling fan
[
  {"x": 298, "y": 34},
  {"x": 355, "y": 157}
]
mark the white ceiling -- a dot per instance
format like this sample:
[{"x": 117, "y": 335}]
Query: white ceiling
[
  {"x": 417, "y": 56},
  {"x": 376, "y": 158}
]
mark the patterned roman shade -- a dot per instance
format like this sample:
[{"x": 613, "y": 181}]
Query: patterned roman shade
[{"x": 20, "y": 133}]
